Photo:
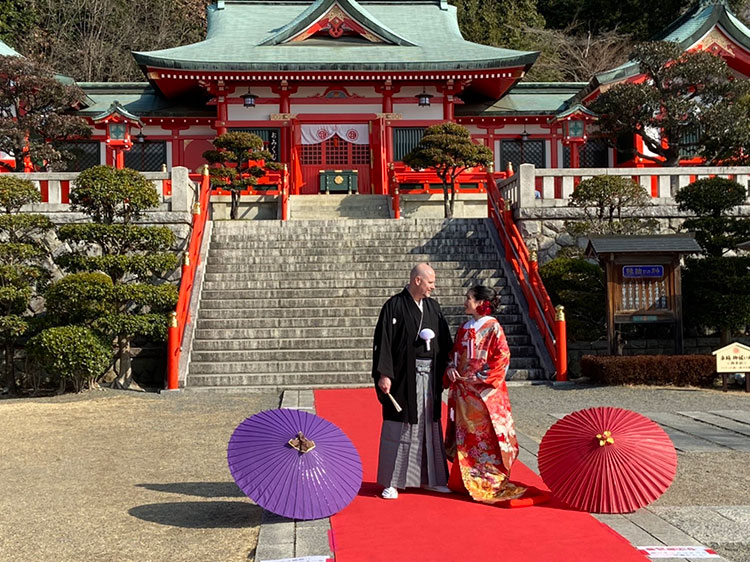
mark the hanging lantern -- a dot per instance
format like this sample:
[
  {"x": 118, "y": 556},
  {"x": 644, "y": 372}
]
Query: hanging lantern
[
  {"x": 423, "y": 99},
  {"x": 248, "y": 100}
]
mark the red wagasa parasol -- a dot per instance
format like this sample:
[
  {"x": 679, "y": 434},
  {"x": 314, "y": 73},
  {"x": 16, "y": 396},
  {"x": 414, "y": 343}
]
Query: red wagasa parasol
[{"x": 607, "y": 460}]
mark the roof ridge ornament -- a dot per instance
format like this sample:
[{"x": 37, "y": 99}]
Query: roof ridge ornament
[{"x": 336, "y": 17}]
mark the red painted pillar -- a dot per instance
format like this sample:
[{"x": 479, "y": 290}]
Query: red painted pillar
[
  {"x": 561, "y": 344},
  {"x": 222, "y": 114},
  {"x": 575, "y": 155},
  {"x": 119, "y": 158},
  {"x": 447, "y": 106},
  {"x": 173, "y": 353},
  {"x": 387, "y": 100}
]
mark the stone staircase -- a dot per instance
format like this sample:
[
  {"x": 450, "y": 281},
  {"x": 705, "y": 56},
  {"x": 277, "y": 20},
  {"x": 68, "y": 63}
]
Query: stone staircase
[
  {"x": 337, "y": 206},
  {"x": 294, "y": 304}
]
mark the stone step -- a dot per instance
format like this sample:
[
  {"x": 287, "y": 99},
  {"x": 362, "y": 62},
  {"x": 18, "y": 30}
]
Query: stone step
[
  {"x": 301, "y": 321},
  {"x": 216, "y": 306},
  {"x": 274, "y": 382},
  {"x": 514, "y": 341},
  {"x": 354, "y": 236},
  {"x": 281, "y": 287},
  {"x": 310, "y": 268},
  {"x": 387, "y": 276},
  {"x": 424, "y": 243},
  {"x": 226, "y": 228},
  {"x": 315, "y": 354},
  {"x": 337, "y": 255},
  {"x": 277, "y": 389},
  {"x": 285, "y": 380},
  {"x": 512, "y": 326},
  {"x": 308, "y": 366},
  {"x": 322, "y": 298},
  {"x": 284, "y": 317},
  {"x": 265, "y": 356}
]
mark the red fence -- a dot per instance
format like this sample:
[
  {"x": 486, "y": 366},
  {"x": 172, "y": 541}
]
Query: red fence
[
  {"x": 180, "y": 318},
  {"x": 550, "y": 321}
]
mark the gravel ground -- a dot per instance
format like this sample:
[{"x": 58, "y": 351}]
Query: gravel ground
[
  {"x": 118, "y": 476},
  {"x": 703, "y": 479}
]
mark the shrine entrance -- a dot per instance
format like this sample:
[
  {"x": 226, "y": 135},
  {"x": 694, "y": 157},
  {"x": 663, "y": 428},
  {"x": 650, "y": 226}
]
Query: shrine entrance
[{"x": 339, "y": 150}]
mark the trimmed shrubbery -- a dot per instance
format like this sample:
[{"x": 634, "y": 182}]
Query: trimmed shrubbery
[
  {"x": 676, "y": 370},
  {"x": 72, "y": 353}
]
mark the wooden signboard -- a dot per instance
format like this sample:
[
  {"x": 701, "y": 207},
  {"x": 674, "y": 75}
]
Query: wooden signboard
[
  {"x": 643, "y": 281},
  {"x": 733, "y": 358}
]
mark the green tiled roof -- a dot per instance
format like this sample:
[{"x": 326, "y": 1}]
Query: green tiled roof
[
  {"x": 527, "y": 98},
  {"x": 241, "y": 35},
  {"x": 137, "y": 98},
  {"x": 686, "y": 31}
]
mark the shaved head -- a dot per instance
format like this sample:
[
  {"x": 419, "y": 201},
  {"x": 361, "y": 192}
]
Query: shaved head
[
  {"x": 421, "y": 281},
  {"x": 420, "y": 270}
]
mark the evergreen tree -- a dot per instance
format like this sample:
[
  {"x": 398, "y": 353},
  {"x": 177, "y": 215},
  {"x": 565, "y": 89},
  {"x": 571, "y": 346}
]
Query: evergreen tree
[
  {"x": 238, "y": 163},
  {"x": 33, "y": 106},
  {"x": 22, "y": 274},
  {"x": 501, "y": 23},
  {"x": 606, "y": 202},
  {"x": 637, "y": 17},
  {"x": 687, "y": 101},
  {"x": 715, "y": 226},
  {"x": 716, "y": 289},
  {"x": 448, "y": 149},
  {"x": 130, "y": 255}
]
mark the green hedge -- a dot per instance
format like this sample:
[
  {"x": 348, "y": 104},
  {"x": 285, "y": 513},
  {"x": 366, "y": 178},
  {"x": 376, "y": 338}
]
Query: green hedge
[
  {"x": 71, "y": 353},
  {"x": 676, "y": 370}
]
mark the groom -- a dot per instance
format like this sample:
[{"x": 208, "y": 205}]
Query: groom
[{"x": 410, "y": 352}]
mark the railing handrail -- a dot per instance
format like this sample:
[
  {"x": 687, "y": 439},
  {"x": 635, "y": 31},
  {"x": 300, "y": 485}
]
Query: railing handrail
[
  {"x": 180, "y": 318},
  {"x": 527, "y": 273},
  {"x": 646, "y": 171}
]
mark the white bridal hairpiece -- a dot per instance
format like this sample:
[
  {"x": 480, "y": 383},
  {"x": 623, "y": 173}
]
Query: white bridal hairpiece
[{"x": 427, "y": 335}]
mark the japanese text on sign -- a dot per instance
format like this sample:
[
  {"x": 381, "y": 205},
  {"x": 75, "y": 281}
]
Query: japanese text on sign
[
  {"x": 733, "y": 358},
  {"x": 640, "y": 271}
]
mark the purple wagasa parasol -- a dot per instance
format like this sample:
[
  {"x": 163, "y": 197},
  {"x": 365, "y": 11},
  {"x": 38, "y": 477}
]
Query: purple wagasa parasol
[{"x": 294, "y": 464}]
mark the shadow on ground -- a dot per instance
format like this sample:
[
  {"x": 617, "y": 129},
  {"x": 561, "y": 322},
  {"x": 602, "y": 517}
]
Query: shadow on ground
[
  {"x": 200, "y": 489},
  {"x": 200, "y": 515}
]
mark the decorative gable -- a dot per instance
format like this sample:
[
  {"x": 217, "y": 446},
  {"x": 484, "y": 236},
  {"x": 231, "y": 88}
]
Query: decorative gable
[
  {"x": 336, "y": 19},
  {"x": 336, "y": 23}
]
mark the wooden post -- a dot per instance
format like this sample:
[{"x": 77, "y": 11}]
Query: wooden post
[{"x": 611, "y": 288}]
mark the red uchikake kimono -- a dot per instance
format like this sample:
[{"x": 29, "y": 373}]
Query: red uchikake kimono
[{"x": 480, "y": 436}]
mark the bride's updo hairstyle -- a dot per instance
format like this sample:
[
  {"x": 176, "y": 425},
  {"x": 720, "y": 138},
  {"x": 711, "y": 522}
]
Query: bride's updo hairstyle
[{"x": 488, "y": 298}]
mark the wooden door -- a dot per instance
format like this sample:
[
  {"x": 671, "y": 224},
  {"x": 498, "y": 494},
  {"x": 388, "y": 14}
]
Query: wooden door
[{"x": 334, "y": 154}]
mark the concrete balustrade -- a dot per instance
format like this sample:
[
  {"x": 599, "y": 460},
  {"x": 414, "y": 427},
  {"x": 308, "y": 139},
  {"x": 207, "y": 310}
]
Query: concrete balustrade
[
  {"x": 535, "y": 187},
  {"x": 176, "y": 190}
]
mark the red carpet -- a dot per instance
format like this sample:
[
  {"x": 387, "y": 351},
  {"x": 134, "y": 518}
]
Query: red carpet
[{"x": 431, "y": 527}]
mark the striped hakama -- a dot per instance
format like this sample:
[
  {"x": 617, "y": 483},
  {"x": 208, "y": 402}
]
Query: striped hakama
[{"x": 413, "y": 455}]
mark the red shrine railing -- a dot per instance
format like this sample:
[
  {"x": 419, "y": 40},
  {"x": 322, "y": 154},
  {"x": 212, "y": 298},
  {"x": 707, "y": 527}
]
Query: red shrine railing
[
  {"x": 180, "y": 318},
  {"x": 550, "y": 320}
]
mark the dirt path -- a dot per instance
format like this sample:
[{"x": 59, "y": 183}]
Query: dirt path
[{"x": 118, "y": 476}]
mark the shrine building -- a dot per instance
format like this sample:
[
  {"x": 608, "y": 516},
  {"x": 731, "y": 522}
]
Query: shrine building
[{"x": 351, "y": 85}]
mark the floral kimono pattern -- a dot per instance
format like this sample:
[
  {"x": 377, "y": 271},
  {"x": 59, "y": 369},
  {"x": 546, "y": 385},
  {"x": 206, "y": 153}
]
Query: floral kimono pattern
[{"x": 481, "y": 436}]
